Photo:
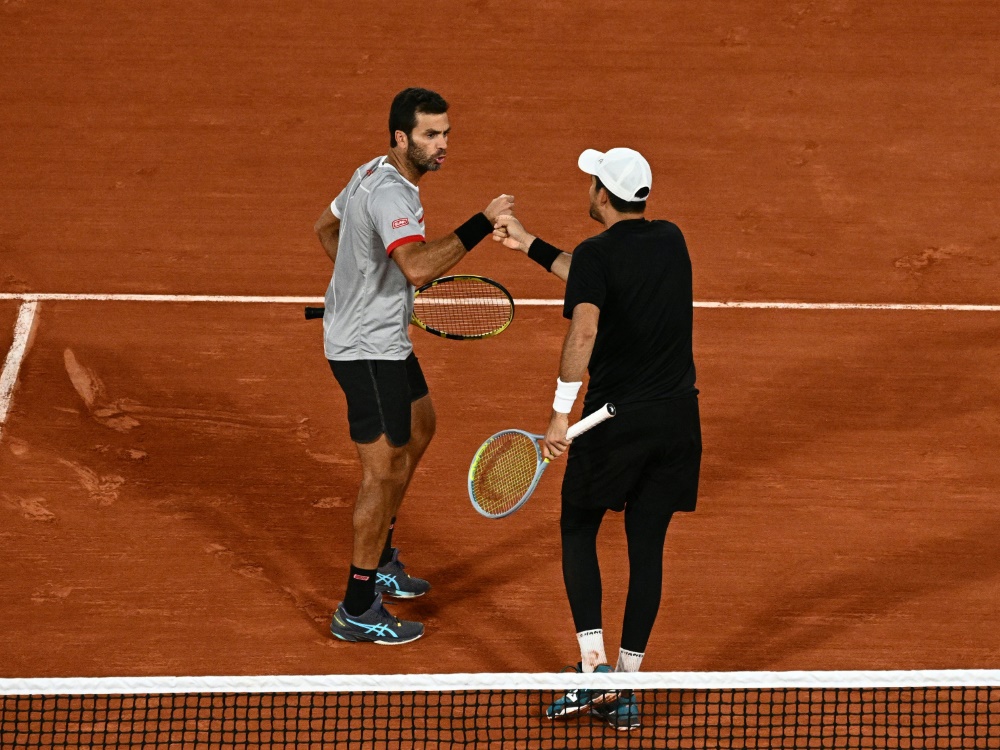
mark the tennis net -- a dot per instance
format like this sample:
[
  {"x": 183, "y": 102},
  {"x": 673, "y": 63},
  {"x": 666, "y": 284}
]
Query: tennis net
[{"x": 906, "y": 710}]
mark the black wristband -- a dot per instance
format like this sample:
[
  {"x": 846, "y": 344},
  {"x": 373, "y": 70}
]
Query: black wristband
[
  {"x": 474, "y": 231},
  {"x": 543, "y": 253}
]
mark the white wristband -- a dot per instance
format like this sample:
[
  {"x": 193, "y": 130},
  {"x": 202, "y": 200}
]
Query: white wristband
[{"x": 565, "y": 396}]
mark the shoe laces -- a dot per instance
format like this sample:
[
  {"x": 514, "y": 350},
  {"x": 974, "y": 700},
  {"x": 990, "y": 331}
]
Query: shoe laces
[
  {"x": 395, "y": 559},
  {"x": 386, "y": 614}
]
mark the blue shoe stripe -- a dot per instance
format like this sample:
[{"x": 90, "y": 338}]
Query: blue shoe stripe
[{"x": 380, "y": 629}]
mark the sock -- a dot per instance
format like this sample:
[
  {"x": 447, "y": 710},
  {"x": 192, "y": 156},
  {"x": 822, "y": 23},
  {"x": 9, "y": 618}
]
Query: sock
[
  {"x": 360, "y": 591},
  {"x": 591, "y": 649},
  {"x": 628, "y": 661},
  {"x": 387, "y": 550}
]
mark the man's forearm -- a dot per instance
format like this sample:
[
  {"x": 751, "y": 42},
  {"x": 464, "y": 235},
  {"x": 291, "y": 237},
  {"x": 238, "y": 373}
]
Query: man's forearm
[
  {"x": 422, "y": 263},
  {"x": 560, "y": 266},
  {"x": 327, "y": 229},
  {"x": 330, "y": 242},
  {"x": 548, "y": 256}
]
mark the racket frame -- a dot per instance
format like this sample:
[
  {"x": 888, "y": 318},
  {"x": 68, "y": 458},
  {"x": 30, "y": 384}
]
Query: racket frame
[
  {"x": 314, "y": 313},
  {"x": 542, "y": 464},
  {"x": 590, "y": 421},
  {"x": 458, "y": 336}
]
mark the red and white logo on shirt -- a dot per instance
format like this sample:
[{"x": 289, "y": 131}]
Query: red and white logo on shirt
[{"x": 400, "y": 223}]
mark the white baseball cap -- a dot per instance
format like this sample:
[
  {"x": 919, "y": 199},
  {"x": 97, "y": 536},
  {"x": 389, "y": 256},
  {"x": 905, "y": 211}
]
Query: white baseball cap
[{"x": 623, "y": 172}]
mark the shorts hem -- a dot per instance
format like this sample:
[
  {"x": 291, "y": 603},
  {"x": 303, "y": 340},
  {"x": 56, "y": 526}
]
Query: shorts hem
[{"x": 375, "y": 439}]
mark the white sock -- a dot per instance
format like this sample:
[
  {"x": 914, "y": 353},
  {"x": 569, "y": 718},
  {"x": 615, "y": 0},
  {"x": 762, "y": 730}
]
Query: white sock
[
  {"x": 591, "y": 649},
  {"x": 629, "y": 661}
]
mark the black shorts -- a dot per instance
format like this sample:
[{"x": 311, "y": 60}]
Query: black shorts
[
  {"x": 379, "y": 393},
  {"x": 648, "y": 453}
]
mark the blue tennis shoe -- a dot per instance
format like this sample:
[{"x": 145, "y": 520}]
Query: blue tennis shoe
[
  {"x": 581, "y": 700},
  {"x": 392, "y": 580},
  {"x": 375, "y": 625},
  {"x": 621, "y": 713}
]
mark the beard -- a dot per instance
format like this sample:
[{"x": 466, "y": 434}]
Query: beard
[
  {"x": 593, "y": 213},
  {"x": 421, "y": 160}
]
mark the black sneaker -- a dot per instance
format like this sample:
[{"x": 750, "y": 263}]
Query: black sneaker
[
  {"x": 375, "y": 625},
  {"x": 392, "y": 580}
]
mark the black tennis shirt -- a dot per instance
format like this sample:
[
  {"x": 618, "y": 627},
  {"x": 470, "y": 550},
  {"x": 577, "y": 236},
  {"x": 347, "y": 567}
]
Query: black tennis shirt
[{"x": 638, "y": 273}]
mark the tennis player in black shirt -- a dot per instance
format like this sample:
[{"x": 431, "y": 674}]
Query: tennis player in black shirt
[{"x": 629, "y": 300}]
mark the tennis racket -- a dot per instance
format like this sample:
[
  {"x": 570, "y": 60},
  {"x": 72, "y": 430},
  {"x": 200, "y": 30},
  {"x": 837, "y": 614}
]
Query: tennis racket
[
  {"x": 457, "y": 307},
  {"x": 507, "y": 467}
]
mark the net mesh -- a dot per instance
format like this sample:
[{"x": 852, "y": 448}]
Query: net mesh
[
  {"x": 510, "y": 717},
  {"x": 467, "y": 307},
  {"x": 503, "y": 471}
]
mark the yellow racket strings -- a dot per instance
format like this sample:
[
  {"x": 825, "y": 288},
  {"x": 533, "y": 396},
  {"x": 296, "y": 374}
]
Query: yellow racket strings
[
  {"x": 463, "y": 307},
  {"x": 504, "y": 471}
]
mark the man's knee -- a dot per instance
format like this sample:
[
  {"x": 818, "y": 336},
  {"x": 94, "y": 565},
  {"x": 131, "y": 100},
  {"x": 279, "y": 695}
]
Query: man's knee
[
  {"x": 383, "y": 464},
  {"x": 579, "y": 521},
  {"x": 387, "y": 477}
]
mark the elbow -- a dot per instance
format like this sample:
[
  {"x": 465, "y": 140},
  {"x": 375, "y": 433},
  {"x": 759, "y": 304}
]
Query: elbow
[
  {"x": 418, "y": 280},
  {"x": 413, "y": 275},
  {"x": 584, "y": 332},
  {"x": 327, "y": 225}
]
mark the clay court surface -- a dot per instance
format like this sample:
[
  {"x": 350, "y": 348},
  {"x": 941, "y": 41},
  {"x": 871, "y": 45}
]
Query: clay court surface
[{"x": 176, "y": 478}]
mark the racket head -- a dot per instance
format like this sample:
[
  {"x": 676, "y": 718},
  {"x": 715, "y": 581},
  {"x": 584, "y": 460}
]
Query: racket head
[
  {"x": 463, "y": 307},
  {"x": 504, "y": 472}
]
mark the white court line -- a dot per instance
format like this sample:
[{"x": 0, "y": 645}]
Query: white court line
[
  {"x": 12, "y": 365},
  {"x": 499, "y": 681},
  {"x": 847, "y": 306},
  {"x": 161, "y": 298},
  {"x": 31, "y": 297}
]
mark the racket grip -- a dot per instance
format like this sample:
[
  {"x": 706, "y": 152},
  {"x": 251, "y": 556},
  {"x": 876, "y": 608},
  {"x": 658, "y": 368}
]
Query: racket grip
[
  {"x": 605, "y": 412},
  {"x": 314, "y": 312}
]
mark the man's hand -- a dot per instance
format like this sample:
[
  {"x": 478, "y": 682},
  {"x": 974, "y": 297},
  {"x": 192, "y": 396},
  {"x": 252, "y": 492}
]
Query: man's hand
[
  {"x": 511, "y": 233},
  {"x": 555, "y": 443},
  {"x": 500, "y": 205}
]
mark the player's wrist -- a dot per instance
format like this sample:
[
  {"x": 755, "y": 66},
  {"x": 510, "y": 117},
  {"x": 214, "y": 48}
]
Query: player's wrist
[
  {"x": 565, "y": 397},
  {"x": 474, "y": 231},
  {"x": 543, "y": 253}
]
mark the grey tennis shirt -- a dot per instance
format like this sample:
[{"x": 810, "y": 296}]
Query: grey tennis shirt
[{"x": 369, "y": 301}]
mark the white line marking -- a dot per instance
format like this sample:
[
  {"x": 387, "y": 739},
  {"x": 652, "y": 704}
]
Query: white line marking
[
  {"x": 161, "y": 298},
  {"x": 30, "y": 297},
  {"x": 847, "y": 306},
  {"x": 12, "y": 365},
  {"x": 503, "y": 681}
]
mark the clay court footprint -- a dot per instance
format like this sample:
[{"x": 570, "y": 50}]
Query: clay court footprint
[
  {"x": 51, "y": 593},
  {"x": 102, "y": 489},
  {"x": 91, "y": 389},
  {"x": 35, "y": 510}
]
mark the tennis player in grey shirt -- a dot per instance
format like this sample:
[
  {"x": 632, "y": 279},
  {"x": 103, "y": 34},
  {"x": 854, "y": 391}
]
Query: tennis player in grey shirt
[{"x": 373, "y": 231}]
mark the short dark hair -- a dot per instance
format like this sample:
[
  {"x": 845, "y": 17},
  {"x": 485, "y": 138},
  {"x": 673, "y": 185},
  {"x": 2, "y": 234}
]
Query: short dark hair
[
  {"x": 406, "y": 105},
  {"x": 619, "y": 205}
]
